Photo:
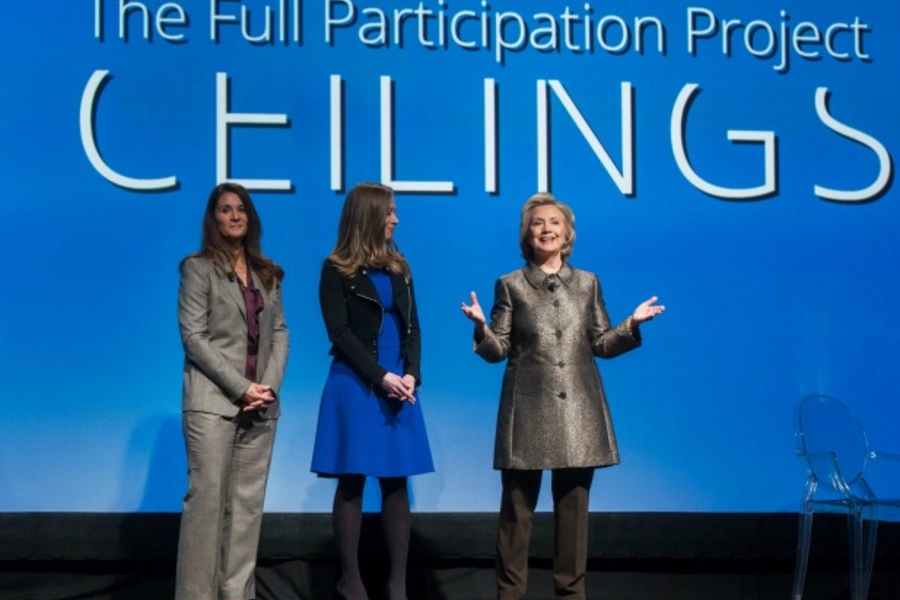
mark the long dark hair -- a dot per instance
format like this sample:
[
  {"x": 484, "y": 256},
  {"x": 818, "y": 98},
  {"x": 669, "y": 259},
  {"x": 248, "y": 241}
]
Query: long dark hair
[
  {"x": 361, "y": 241},
  {"x": 214, "y": 247}
]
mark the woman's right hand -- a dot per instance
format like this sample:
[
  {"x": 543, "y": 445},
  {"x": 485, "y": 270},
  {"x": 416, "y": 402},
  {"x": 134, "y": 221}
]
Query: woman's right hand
[
  {"x": 474, "y": 311},
  {"x": 396, "y": 387},
  {"x": 257, "y": 396}
]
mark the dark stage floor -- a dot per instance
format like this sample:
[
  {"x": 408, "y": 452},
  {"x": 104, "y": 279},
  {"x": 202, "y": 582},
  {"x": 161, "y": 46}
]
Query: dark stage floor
[
  {"x": 634, "y": 556},
  {"x": 295, "y": 580}
]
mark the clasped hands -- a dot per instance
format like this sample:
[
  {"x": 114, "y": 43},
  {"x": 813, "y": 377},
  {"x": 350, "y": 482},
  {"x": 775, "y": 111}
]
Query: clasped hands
[
  {"x": 400, "y": 388},
  {"x": 258, "y": 396}
]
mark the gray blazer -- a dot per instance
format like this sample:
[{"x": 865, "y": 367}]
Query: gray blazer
[
  {"x": 214, "y": 334},
  {"x": 553, "y": 412}
]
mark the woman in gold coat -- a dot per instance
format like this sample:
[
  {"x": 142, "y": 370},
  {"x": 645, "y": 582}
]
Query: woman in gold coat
[{"x": 549, "y": 322}]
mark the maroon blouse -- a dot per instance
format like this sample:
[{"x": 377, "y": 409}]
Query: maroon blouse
[{"x": 253, "y": 303}]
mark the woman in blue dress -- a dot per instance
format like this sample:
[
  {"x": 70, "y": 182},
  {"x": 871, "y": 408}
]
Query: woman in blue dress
[{"x": 370, "y": 420}]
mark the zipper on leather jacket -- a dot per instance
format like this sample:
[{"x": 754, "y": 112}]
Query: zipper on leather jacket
[
  {"x": 408, "y": 310},
  {"x": 377, "y": 303}
]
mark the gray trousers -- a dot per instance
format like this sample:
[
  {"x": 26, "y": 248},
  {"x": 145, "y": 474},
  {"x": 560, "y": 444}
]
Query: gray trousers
[
  {"x": 571, "y": 490},
  {"x": 228, "y": 465}
]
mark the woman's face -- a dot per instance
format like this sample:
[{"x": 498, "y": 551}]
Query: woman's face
[
  {"x": 548, "y": 230},
  {"x": 231, "y": 218},
  {"x": 390, "y": 221}
]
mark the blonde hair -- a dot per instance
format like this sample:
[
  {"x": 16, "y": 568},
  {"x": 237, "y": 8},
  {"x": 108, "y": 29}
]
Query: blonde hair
[
  {"x": 361, "y": 241},
  {"x": 545, "y": 199}
]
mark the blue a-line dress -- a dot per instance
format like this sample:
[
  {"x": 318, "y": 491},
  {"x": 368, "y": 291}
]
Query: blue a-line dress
[{"x": 360, "y": 430}]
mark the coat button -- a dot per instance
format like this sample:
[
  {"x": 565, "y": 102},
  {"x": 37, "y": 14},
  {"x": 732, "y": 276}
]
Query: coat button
[
  {"x": 559, "y": 333},
  {"x": 556, "y": 303},
  {"x": 560, "y": 364},
  {"x": 562, "y": 395}
]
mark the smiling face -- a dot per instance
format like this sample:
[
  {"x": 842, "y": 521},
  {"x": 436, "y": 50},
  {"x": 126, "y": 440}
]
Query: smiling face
[
  {"x": 390, "y": 221},
  {"x": 231, "y": 217},
  {"x": 547, "y": 231}
]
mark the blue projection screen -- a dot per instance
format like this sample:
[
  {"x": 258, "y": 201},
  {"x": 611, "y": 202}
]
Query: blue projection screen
[{"x": 732, "y": 157}]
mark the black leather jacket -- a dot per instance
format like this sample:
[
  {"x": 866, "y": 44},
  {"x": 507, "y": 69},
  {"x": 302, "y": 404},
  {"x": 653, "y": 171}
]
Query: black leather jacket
[{"x": 353, "y": 316}]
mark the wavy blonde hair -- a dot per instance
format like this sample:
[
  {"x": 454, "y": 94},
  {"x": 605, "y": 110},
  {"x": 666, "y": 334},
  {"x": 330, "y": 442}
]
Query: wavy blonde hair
[
  {"x": 361, "y": 241},
  {"x": 545, "y": 199}
]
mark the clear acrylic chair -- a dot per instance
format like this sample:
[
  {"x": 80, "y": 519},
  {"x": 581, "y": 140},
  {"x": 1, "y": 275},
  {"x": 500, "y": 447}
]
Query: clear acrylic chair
[{"x": 833, "y": 443}]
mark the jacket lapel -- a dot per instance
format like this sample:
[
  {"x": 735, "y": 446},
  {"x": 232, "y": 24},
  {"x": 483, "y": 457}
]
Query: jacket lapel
[
  {"x": 231, "y": 285},
  {"x": 401, "y": 296},
  {"x": 361, "y": 285},
  {"x": 267, "y": 311},
  {"x": 399, "y": 284}
]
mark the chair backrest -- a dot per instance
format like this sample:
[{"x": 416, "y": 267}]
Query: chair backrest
[{"x": 827, "y": 425}]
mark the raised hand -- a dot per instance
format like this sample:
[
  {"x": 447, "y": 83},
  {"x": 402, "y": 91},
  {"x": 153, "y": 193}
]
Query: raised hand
[
  {"x": 647, "y": 310},
  {"x": 474, "y": 311}
]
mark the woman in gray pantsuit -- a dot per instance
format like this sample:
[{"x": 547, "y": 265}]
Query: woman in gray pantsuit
[
  {"x": 549, "y": 321},
  {"x": 235, "y": 345}
]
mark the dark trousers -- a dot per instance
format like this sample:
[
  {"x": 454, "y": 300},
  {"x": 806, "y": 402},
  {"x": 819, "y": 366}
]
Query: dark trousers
[{"x": 571, "y": 489}]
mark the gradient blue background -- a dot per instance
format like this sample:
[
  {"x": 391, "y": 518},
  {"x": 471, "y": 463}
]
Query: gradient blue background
[{"x": 766, "y": 300}]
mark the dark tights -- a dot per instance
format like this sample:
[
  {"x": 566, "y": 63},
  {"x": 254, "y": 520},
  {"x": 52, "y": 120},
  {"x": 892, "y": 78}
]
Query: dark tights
[{"x": 347, "y": 515}]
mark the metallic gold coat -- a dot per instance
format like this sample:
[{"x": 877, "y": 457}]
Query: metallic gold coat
[{"x": 553, "y": 411}]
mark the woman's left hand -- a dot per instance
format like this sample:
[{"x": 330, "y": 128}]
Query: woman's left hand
[
  {"x": 410, "y": 382},
  {"x": 399, "y": 387},
  {"x": 647, "y": 310}
]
